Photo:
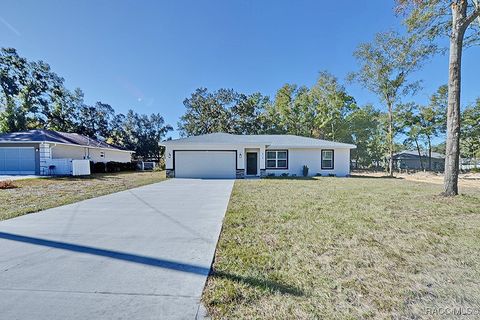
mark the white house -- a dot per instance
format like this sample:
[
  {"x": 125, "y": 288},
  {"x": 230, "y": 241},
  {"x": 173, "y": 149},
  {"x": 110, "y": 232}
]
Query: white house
[
  {"x": 222, "y": 155},
  {"x": 45, "y": 152}
]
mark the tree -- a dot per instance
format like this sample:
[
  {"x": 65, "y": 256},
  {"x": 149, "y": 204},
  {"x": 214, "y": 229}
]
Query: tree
[
  {"x": 62, "y": 112},
  {"x": 411, "y": 125},
  {"x": 140, "y": 133},
  {"x": 289, "y": 112},
  {"x": 452, "y": 18},
  {"x": 432, "y": 118},
  {"x": 364, "y": 123},
  {"x": 331, "y": 107},
  {"x": 319, "y": 112},
  {"x": 246, "y": 114},
  {"x": 27, "y": 88},
  {"x": 206, "y": 112},
  {"x": 94, "y": 121},
  {"x": 223, "y": 111},
  {"x": 385, "y": 65},
  {"x": 12, "y": 69}
]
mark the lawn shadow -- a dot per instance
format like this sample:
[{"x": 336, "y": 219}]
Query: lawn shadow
[{"x": 259, "y": 283}]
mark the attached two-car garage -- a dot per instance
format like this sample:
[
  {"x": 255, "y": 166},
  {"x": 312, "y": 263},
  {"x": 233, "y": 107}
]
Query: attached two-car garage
[
  {"x": 17, "y": 160},
  {"x": 211, "y": 164}
]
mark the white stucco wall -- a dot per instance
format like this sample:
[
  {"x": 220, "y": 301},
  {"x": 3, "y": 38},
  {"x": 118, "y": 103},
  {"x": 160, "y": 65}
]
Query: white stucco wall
[
  {"x": 93, "y": 154},
  {"x": 67, "y": 152},
  {"x": 109, "y": 155},
  {"x": 297, "y": 158}
]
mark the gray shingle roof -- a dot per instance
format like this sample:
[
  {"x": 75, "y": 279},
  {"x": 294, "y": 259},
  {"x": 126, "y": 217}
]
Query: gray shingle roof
[
  {"x": 273, "y": 141},
  {"x": 55, "y": 137}
]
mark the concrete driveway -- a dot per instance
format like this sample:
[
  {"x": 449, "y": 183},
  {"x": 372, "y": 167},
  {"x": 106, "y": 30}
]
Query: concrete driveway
[{"x": 144, "y": 253}]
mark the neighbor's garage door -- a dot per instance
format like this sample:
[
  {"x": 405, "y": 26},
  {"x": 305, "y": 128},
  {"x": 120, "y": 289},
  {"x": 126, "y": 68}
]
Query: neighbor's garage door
[
  {"x": 205, "y": 164},
  {"x": 17, "y": 161}
]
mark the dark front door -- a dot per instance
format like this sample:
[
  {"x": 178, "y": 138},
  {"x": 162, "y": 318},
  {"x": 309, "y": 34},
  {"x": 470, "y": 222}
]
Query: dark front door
[{"x": 251, "y": 163}]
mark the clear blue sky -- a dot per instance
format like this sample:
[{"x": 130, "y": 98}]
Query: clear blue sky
[{"x": 150, "y": 55}]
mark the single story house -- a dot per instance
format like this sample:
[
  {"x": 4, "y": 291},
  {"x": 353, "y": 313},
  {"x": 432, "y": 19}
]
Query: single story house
[
  {"x": 39, "y": 151},
  {"x": 410, "y": 160},
  {"x": 222, "y": 155}
]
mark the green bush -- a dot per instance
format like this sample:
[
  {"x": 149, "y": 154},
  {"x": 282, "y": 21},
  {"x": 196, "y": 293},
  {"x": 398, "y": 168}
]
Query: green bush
[
  {"x": 97, "y": 167},
  {"x": 113, "y": 166}
]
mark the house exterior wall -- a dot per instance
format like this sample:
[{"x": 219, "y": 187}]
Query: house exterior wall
[
  {"x": 68, "y": 152},
  {"x": 93, "y": 154},
  {"x": 297, "y": 158},
  {"x": 109, "y": 155}
]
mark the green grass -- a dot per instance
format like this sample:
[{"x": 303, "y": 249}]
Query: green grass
[
  {"x": 345, "y": 248},
  {"x": 32, "y": 195}
]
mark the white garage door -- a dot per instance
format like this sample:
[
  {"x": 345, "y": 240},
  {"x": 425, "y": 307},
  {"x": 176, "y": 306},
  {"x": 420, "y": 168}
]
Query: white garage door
[
  {"x": 205, "y": 164},
  {"x": 17, "y": 160}
]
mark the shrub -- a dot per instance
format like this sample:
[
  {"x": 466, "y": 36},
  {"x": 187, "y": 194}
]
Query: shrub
[
  {"x": 332, "y": 175},
  {"x": 271, "y": 175},
  {"x": 97, "y": 167},
  {"x": 318, "y": 174},
  {"x": 7, "y": 184},
  {"x": 305, "y": 171},
  {"x": 111, "y": 166},
  {"x": 285, "y": 174},
  {"x": 475, "y": 170}
]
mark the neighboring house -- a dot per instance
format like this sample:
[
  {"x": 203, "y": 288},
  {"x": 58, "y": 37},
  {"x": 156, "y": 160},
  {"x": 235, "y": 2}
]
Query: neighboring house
[
  {"x": 411, "y": 160},
  {"x": 45, "y": 152},
  {"x": 222, "y": 155}
]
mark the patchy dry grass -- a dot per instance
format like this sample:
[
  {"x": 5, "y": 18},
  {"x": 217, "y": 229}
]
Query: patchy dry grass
[
  {"x": 335, "y": 248},
  {"x": 33, "y": 195}
]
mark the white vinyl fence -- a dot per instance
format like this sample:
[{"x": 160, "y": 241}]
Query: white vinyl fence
[
  {"x": 80, "y": 167},
  {"x": 146, "y": 165}
]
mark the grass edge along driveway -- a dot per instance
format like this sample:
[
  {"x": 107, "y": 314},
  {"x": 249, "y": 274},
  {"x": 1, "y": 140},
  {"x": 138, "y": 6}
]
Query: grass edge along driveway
[
  {"x": 345, "y": 248},
  {"x": 33, "y": 195}
]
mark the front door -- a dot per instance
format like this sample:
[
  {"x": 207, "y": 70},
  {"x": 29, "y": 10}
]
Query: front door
[{"x": 251, "y": 163}]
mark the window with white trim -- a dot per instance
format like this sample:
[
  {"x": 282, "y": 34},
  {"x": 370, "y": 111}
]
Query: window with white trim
[
  {"x": 277, "y": 159},
  {"x": 327, "y": 159}
]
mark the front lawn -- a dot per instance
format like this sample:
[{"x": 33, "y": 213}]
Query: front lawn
[
  {"x": 33, "y": 195},
  {"x": 346, "y": 248}
]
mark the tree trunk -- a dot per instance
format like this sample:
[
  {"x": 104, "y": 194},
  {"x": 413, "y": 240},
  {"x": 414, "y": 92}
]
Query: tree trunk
[
  {"x": 419, "y": 154},
  {"x": 390, "y": 139},
  {"x": 452, "y": 153},
  {"x": 429, "y": 154}
]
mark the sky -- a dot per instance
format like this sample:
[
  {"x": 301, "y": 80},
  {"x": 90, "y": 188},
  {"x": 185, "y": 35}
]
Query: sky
[{"x": 150, "y": 55}]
